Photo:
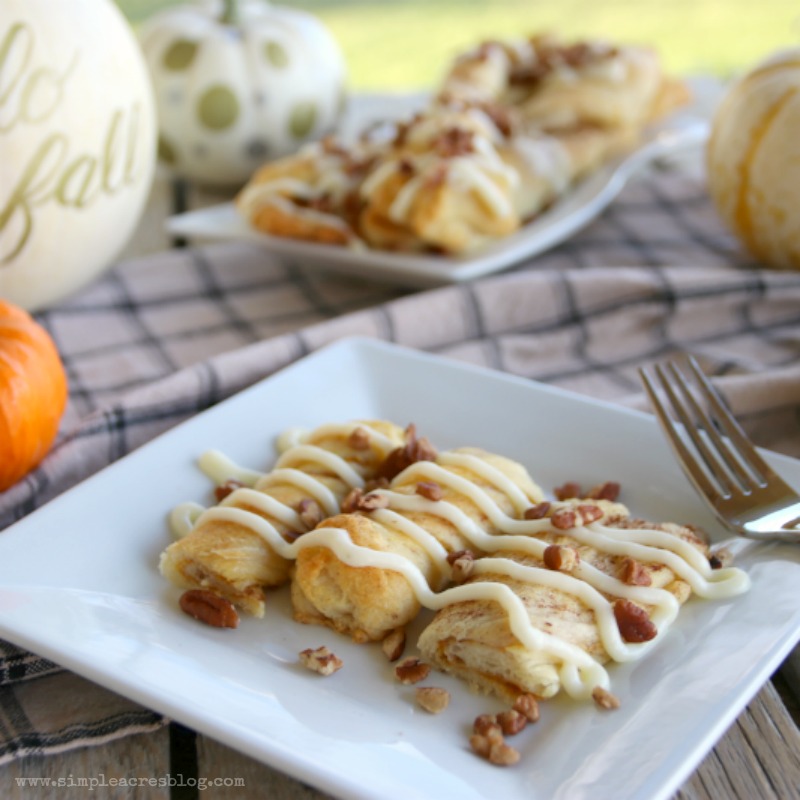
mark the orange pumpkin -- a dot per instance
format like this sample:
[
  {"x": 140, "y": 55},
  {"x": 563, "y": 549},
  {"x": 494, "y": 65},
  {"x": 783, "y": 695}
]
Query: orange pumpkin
[{"x": 33, "y": 393}]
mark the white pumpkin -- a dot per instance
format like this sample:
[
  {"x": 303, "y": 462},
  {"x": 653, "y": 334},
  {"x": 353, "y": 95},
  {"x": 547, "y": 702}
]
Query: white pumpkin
[
  {"x": 753, "y": 160},
  {"x": 238, "y": 83},
  {"x": 77, "y": 144}
]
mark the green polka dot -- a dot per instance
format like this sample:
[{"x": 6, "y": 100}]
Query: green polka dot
[
  {"x": 180, "y": 55},
  {"x": 302, "y": 119},
  {"x": 276, "y": 54},
  {"x": 166, "y": 152},
  {"x": 217, "y": 108}
]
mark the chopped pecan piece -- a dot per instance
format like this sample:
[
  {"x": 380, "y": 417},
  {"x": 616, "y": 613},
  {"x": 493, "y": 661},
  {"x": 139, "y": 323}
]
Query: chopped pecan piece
[
  {"x": 359, "y": 438},
  {"x": 454, "y": 142},
  {"x": 539, "y": 511},
  {"x": 320, "y": 660},
  {"x": 564, "y": 519},
  {"x": 589, "y": 513},
  {"x": 633, "y": 622},
  {"x": 480, "y": 744},
  {"x": 394, "y": 643},
  {"x": 604, "y": 699},
  {"x": 405, "y": 167},
  {"x": 634, "y": 573},
  {"x": 461, "y": 563},
  {"x": 432, "y": 698},
  {"x": 488, "y": 726},
  {"x": 527, "y": 75},
  {"x": 310, "y": 512},
  {"x": 511, "y": 722},
  {"x": 351, "y": 500},
  {"x": 376, "y": 483},
  {"x": 558, "y": 557},
  {"x": 567, "y": 490},
  {"x": 411, "y": 670},
  {"x": 223, "y": 490},
  {"x": 209, "y": 608},
  {"x": 372, "y": 501},
  {"x": 503, "y": 755},
  {"x": 401, "y": 457},
  {"x": 430, "y": 490},
  {"x": 528, "y": 706},
  {"x": 720, "y": 558},
  {"x": 495, "y": 751},
  {"x": 604, "y": 491},
  {"x": 356, "y": 500}
]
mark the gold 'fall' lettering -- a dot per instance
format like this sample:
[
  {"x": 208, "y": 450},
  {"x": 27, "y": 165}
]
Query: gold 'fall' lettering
[{"x": 54, "y": 172}]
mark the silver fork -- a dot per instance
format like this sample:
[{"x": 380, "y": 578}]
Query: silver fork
[{"x": 746, "y": 494}]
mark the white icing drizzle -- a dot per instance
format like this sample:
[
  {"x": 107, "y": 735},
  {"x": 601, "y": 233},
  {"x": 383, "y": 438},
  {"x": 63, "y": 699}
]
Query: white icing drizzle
[
  {"x": 293, "y": 448},
  {"x": 545, "y": 157},
  {"x": 377, "y": 177},
  {"x": 431, "y": 545},
  {"x": 676, "y": 554},
  {"x": 219, "y": 468},
  {"x": 481, "y": 171},
  {"x": 308, "y": 484},
  {"x": 266, "y": 505},
  {"x": 287, "y": 186},
  {"x": 470, "y": 175},
  {"x": 183, "y": 518},
  {"x": 290, "y": 437},
  {"x": 404, "y": 199},
  {"x": 493, "y": 475},
  {"x": 303, "y": 453},
  {"x": 608, "y": 629},
  {"x": 380, "y": 442},
  {"x": 578, "y": 672},
  {"x": 311, "y": 214}
]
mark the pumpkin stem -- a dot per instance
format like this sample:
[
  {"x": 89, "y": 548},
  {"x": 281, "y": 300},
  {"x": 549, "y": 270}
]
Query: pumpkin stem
[{"x": 230, "y": 12}]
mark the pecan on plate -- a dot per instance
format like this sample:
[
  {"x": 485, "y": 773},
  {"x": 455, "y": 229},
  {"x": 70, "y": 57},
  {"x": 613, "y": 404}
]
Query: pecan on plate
[{"x": 209, "y": 608}]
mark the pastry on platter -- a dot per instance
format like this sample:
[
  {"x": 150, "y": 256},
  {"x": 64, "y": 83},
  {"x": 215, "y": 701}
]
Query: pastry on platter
[
  {"x": 430, "y": 512},
  {"x": 513, "y": 126},
  {"x": 450, "y": 179},
  {"x": 234, "y": 549},
  {"x": 312, "y": 195},
  {"x": 556, "y": 85},
  {"x": 442, "y": 183},
  {"x": 578, "y": 589}
]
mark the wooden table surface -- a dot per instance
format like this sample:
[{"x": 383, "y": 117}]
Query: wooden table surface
[{"x": 758, "y": 757}]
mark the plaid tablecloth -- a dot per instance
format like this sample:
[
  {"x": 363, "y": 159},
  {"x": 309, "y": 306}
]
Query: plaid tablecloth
[{"x": 160, "y": 339}]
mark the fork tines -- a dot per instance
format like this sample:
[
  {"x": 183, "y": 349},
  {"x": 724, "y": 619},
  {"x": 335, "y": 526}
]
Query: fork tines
[{"x": 731, "y": 463}]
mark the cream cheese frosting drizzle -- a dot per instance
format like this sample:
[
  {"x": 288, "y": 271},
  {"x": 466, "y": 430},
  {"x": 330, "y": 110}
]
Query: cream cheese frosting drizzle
[
  {"x": 586, "y": 671},
  {"x": 294, "y": 451},
  {"x": 481, "y": 171},
  {"x": 577, "y": 671}
]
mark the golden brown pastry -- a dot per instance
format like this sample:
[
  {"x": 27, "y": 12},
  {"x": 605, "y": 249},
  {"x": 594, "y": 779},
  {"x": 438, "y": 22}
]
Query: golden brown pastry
[
  {"x": 558, "y": 86},
  {"x": 582, "y": 586},
  {"x": 346, "y": 576},
  {"x": 231, "y": 549},
  {"x": 513, "y": 127},
  {"x": 313, "y": 195},
  {"x": 441, "y": 184}
]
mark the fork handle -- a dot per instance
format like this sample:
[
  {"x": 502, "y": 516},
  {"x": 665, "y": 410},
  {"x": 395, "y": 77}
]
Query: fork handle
[{"x": 782, "y": 524}]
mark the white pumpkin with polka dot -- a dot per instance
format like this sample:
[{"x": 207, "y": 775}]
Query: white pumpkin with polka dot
[{"x": 238, "y": 83}]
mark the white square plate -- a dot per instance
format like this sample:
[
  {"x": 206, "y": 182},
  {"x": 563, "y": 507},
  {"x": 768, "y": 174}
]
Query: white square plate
[
  {"x": 80, "y": 585},
  {"x": 564, "y": 219}
]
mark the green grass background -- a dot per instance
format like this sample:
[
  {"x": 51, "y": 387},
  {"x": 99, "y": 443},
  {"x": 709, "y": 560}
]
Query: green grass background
[{"x": 404, "y": 44}]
